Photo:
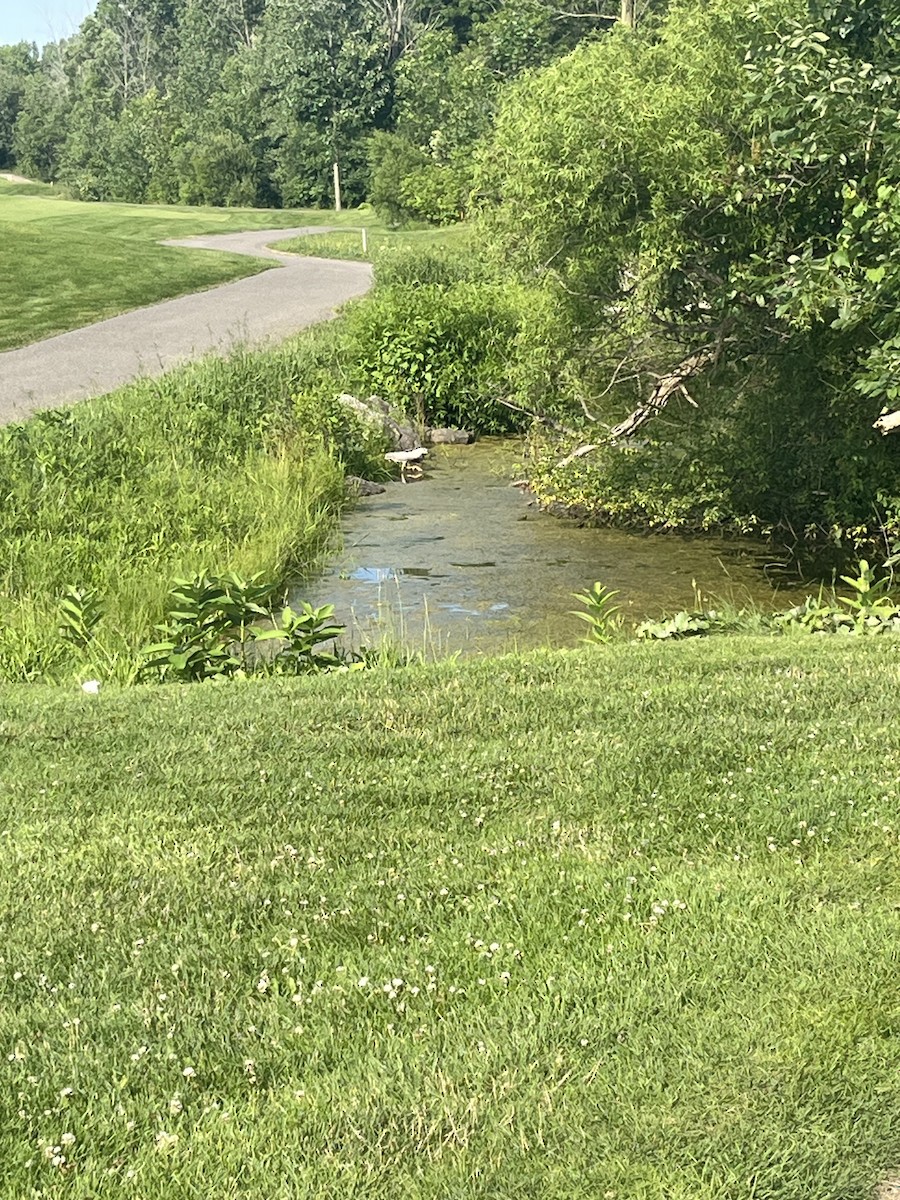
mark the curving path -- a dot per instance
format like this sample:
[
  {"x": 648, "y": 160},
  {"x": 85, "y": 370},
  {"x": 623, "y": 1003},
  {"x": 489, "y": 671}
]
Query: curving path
[{"x": 147, "y": 341}]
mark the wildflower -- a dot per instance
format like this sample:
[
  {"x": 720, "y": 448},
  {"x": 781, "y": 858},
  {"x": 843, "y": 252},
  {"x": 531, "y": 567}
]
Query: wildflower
[
  {"x": 91, "y": 687},
  {"x": 176, "y": 1106},
  {"x": 189, "y": 1072},
  {"x": 68, "y": 1139},
  {"x": 166, "y": 1141}
]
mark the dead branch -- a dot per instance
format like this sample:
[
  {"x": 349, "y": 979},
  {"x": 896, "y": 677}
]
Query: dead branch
[
  {"x": 579, "y": 453},
  {"x": 665, "y": 389},
  {"x": 887, "y": 422}
]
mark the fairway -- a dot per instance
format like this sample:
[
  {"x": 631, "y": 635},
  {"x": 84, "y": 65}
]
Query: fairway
[
  {"x": 65, "y": 264},
  {"x": 618, "y": 924}
]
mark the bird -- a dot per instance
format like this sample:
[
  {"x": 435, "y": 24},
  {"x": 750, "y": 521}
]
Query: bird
[{"x": 409, "y": 460}]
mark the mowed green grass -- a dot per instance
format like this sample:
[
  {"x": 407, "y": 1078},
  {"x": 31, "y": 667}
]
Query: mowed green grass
[
  {"x": 65, "y": 264},
  {"x": 348, "y": 243},
  {"x": 618, "y": 924}
]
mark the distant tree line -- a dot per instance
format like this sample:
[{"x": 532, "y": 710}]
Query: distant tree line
[{"x": 273, "y": 102}]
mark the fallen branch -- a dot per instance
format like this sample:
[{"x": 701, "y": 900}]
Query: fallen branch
[
  {"x": 665, "y": 389},
  {"x": 579, "y": 453}
]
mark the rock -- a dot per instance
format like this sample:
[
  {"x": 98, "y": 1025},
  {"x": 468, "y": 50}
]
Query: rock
[
  {"x": 363, "y": 487},
  {"x": 374, "y": 412},
  {"x": 449, "y": 437}
]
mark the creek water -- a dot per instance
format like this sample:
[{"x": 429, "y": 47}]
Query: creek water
[{"x": 462, "y": 562}]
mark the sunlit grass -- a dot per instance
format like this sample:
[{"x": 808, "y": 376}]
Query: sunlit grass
[
  {"x": 216, "y": 466},
  {"x": 617, "y": 923},
  {"x": 64, "y": 263},
  {"x": 351, "y": 244}
]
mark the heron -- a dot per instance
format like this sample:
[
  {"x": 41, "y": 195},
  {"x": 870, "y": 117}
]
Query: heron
[{"x": 409, "y": 460}]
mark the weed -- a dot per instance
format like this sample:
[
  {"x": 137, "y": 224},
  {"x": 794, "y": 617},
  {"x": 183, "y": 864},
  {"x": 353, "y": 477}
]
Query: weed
[{"x": 603, "y": 615}]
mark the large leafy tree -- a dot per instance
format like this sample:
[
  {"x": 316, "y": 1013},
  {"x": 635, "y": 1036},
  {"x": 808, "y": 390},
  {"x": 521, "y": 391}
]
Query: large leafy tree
[
  {"x": 17, "y": 64},
  {"x": 325, "y": 66},
  {"x": 708, "y": 209}
]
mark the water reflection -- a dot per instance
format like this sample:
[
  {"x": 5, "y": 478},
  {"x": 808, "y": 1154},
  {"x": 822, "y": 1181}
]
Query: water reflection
[{"x": 482, "y": 570}]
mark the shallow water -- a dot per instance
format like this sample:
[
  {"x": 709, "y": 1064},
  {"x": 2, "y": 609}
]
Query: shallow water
[{"x": 460, "y": 561}]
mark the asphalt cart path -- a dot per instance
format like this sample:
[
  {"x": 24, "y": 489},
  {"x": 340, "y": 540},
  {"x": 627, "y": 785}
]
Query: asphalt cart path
[{"x": 147, "y": 341}]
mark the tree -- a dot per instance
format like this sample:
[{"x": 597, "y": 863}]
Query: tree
[
  {"x": 697, "y": 222},
  {"x": 325, "y": 66},
  {"x": 40, "y": 129},
  {"x": 17, "y": 64}
]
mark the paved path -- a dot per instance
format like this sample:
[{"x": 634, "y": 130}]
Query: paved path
[{"x": 100, "y": 357}]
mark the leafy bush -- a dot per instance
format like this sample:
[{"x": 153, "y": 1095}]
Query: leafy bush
[
  {"x": 408, "y": 184},
  {"x": 391, "y": 159},
  {"x": 442, "y": 350},
  {"x": 214, "y": 627}
]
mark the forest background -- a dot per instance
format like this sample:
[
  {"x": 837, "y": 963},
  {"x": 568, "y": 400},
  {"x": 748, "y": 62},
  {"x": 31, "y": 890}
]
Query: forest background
[{"x": 686, "y": 219}]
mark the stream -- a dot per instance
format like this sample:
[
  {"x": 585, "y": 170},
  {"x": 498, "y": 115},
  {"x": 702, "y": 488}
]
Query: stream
[{"x": 461, "y": 562}]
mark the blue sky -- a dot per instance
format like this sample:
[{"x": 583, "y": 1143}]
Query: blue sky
[{"x": 41, "y": 21}]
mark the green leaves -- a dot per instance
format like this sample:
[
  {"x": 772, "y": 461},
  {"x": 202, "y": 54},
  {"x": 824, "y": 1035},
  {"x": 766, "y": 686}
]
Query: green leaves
[
  {"x": 218, "y": 627},
  {"x": 603, "y": 615}
]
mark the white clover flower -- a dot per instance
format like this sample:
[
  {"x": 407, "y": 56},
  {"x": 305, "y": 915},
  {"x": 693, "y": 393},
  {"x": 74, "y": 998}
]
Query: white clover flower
[
  {"x": 91, "y": 687},
  {"x": 166, "y": 1141},
  {"x": 189, "y": 1072},
  {"x": 68, "y": 1139}
]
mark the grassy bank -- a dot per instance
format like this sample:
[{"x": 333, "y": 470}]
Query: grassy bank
[
  {"x": 618, "y": 924},
  {"x": 232, "y": 464},
  {"x": 64, "y": 264}
]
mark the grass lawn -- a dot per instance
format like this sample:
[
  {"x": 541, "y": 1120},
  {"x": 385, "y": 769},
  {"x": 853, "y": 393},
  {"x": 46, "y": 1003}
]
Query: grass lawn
[
  {"x": 64, "y": 264},
  {"x": 348, "y": 243},
  {"x": 616, "y": 924}
]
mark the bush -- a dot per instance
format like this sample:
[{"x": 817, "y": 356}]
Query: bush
[
  {"x": 391, "y": 159},
  {"x": 441, "y": 350},
  {"x": 407, "y": 184}
]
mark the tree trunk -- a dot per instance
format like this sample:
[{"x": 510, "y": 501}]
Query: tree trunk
[{"x": 627, "y": 17}]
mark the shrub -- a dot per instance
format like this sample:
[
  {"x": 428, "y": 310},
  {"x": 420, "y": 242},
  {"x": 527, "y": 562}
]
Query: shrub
[{"x": 440, "y": 350}]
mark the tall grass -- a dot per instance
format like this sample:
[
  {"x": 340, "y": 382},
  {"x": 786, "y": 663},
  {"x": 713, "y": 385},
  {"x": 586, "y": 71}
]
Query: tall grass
[{"x": 231, "y": 464}]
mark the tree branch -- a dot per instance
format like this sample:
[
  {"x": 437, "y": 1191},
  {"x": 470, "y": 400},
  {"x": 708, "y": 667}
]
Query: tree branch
[
  {"x": 539, "y": 417},
  {"x": 665, "y": 389}
]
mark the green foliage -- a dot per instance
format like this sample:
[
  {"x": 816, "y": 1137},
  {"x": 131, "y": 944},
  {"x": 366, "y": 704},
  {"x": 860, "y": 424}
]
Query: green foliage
[
  {"x": 215, "y": 626},
  {"x": 212, "y": 463},
  {"x": 207, "y": 628},
  {"x": 219, "y": 169},
  {"x": 871, "y": 608},
  {"x": 17, "y": 64},
  {"x": 603, "y": 615},
  {"x": 300, "y": 637},
  {"x": 80, "y": 613},
  {"x": 440, "y": 348},
  {"x": 391, "y": 160},
  {"x": 683, "y": 624},
  {"x": 740, "y": 204}
]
